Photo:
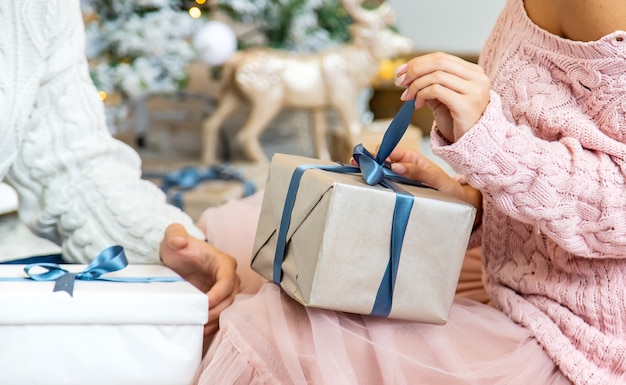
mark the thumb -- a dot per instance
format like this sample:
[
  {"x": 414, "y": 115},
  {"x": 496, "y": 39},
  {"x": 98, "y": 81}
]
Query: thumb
[
  {"x": 400, "y": 169},
  {"x": 176, "y": 237},
  {"x": 414, "y": 172},
  {"x": 423, "y": 171}
]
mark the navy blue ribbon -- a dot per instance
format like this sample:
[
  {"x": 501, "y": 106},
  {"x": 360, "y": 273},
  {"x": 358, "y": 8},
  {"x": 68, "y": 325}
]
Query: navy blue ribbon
[
  {"x": 189, "y": 177},
  {"x": 374, "y": 170},
  {"x": 109, "y": 260}
]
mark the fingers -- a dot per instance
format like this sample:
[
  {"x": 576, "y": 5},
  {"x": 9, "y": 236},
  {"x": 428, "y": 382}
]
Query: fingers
[
  {"x": 441, "y": 75},
  {"x": 426, "y": 174},
  {"x": 221, "y": 296},
  {"x": 414, "y": 165},
  {"x": 226, "y": 284},
  {"x": 204, "y": 266},
  {"x": 437, "y": 85},
  {"x": 421, "y": 169},
  {"x": 399, "y": 72},
  {"x": 405, "y": 155},
  {"x": 440, "y": 79},
  {"x": 399, "y": 154},
  {"x": 438, "y": 61},
  {"x": 223, "y": 291},
  {"x": 211, "y": 328},
  {"x": 215, "y": 309}
]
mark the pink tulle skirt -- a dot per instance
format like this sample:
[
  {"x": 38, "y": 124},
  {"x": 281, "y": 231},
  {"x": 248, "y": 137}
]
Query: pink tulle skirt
[{"x": 266, "y": 337}]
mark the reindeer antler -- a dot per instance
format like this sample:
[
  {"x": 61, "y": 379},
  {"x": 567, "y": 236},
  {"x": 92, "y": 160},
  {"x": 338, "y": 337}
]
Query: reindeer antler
[{"x": 383, "y": 14}]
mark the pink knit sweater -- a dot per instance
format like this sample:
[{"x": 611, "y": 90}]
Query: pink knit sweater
[{"x": 549, "y": 155}]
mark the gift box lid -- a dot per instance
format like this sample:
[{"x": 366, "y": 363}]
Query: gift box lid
[{"x": 102, "y": 302}]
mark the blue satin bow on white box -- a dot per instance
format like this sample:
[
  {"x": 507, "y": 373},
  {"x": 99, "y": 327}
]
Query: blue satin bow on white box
[{"x": 142, "y": 320}]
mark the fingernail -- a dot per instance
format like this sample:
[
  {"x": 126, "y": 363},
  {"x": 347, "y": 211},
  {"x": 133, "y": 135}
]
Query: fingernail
[
  {"x": 400, "y": 68},
  {"x": 403, "y": 96},
  {"x": 400, "y": 80},
  {"x": 398, "y": 168}
]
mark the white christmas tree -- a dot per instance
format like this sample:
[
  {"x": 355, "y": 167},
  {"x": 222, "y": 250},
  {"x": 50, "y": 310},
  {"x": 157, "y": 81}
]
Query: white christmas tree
[
  {"x": 295, "y": 25},
  {"x": 137, "y": 48}
]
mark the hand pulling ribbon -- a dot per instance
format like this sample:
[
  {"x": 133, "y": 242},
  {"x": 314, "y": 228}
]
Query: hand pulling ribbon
[
  {"x": 189, "y": 177},
  {"x": 374, "y": 171},
  {"x": 109, "y": 260}
]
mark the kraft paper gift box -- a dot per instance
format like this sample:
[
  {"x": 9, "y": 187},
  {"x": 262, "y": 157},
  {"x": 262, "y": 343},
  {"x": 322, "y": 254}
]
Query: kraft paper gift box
[
  {"x": 229, "y": 182},
  {"x": 353, "y": 239},
  {"x": 107, "y": 333},
  {"x": 338, "y": 242}
]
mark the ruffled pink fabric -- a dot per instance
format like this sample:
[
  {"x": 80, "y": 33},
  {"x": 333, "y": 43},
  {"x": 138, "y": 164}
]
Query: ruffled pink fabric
[{"x": 267, "y": 338}]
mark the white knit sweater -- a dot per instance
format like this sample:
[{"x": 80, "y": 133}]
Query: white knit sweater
[{"x": 77, "y": 185}]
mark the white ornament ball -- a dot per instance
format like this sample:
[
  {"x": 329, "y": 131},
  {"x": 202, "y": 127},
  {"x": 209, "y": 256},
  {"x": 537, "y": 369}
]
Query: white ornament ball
[{"x": 216, "y": 42}]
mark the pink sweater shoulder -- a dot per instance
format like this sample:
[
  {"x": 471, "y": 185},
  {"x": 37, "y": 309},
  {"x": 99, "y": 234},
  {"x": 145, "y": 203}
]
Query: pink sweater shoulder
[{"x": 549, "y": 155}]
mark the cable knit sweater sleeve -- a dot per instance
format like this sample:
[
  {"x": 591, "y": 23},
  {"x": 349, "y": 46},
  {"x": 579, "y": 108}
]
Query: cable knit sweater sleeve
[
  {"x": 77, "y": 185},
  {"x": 571, "y": 191},
  {"x": 561, "y": 167}
]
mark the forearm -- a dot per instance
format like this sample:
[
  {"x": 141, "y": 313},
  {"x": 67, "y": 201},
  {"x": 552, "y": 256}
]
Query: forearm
[
  {"x": 77, "y": 185},
  {"x": 558, "y": 186}
]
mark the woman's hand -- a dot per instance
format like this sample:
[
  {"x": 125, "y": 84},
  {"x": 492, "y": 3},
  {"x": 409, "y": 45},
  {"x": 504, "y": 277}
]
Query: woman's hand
[
  {"x": 204, "y": 266},
  {"x": 456, "y": 90},
  {"x": 416, "y": 166}
]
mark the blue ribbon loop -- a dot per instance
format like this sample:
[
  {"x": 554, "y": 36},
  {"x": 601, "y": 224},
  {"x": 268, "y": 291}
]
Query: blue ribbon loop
[
  {"x": 109, "y": 260},
  {"x": 374, "y": 170},
  {"x": 189, "y": 177}
]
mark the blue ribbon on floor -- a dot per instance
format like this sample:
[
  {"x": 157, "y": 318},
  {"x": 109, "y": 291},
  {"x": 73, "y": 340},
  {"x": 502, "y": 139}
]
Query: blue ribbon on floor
[
  {"x": 109, "y": 260},
  {"x": 374, "y": 170},
  {"x": 50, "y": 258},
  {"x": 189, "y": 177}
]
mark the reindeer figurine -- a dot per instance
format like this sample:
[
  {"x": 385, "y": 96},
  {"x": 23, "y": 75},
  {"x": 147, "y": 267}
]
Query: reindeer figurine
[{"x": 272, "y": 80}]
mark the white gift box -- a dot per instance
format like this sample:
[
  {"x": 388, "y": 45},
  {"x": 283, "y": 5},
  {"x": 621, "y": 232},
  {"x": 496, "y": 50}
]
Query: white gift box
[{"x": 107, "y": 333}]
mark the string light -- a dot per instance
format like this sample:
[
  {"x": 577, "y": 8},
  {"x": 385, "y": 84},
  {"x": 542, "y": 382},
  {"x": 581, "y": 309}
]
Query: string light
[
  {"x": 103, "y": 95},
  {"x": 195, "y": 12},
  {"x": 200, "y": 1}
]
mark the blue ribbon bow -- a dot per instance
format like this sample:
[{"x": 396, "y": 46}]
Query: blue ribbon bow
[
  {"x": 109, "y": 260},
  {"x": 189, "y": 177},
  {"x": 374, "y": 170}
]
